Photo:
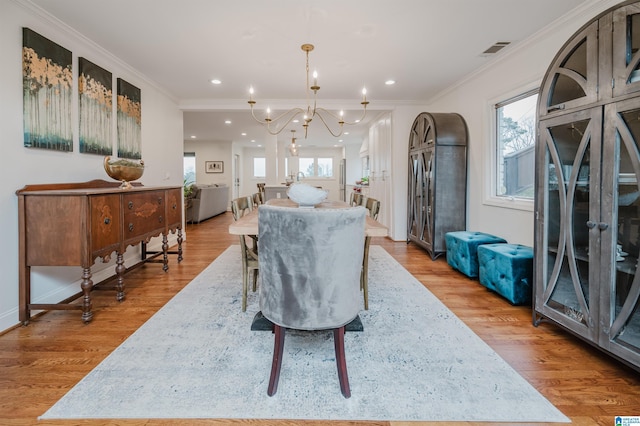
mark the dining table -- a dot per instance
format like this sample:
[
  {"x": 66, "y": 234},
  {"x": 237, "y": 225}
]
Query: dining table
[{"x": 248, "y": 224}]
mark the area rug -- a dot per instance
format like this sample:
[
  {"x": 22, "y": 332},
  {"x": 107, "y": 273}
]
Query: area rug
[{"x": 198, "y": 358}]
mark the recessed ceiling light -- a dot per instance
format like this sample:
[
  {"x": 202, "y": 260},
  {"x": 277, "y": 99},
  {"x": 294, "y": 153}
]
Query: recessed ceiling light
[
  {"x": 216, "y": 81},
  {"x": 193, "y": 136},
  {"x": 296, "y": 121},
  {"x": 346, "y": 133},
  {"x": 227, "y": 121},
  {"x": 390, "y": 82},
  {"x": 253, "y": 140},
  {"x": 243, "y": 134}
]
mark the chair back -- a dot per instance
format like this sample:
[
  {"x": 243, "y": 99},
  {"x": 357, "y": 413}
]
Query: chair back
[
  {"x": 258, "y": 198},
  {"x": 373, "y": 206},
  {"x": 356, "y": 199},
  {"x": 241, "y": 206},
  {"x": 310, "y": 262}
]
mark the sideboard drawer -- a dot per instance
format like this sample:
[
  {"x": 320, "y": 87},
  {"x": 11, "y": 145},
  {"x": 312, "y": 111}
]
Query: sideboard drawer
[{"x": 144, "y": 213}]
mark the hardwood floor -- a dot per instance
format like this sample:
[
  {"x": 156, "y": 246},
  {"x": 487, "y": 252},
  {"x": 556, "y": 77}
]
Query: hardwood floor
[{"x": 39, "y": 363}]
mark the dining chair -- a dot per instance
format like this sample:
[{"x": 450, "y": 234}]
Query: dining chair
[
  {"x": 373, "y": 207},
  {"x": 355, "y": 199},
  {"x": 297, "y": 289},
  {"x": 258, "y": 198},
  {"x": 240, "y": 207}
]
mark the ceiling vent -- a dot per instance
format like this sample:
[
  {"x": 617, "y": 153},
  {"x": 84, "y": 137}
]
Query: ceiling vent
[{"x": 495, "y": 48}]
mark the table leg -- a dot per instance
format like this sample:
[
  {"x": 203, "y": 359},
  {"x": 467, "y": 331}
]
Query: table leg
[
  {"x": 86, "y": 286},
  {"x": 120, "y": 270}
]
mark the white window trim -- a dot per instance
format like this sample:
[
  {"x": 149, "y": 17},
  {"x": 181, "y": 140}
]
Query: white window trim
[{"x": 490, "y": 179}]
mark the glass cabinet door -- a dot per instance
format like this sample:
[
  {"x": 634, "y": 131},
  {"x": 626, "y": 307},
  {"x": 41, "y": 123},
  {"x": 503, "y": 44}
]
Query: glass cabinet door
[
  {"x": 572, "y": 78},
  {"x": 567, "y": 254},
  {"x": 620, "y": 293},
  {"x": 416, "y": 196},
  {"x": 626, "y": 50}
]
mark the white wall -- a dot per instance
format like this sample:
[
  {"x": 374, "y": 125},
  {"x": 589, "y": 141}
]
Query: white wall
[
  {"x": 161, "y": 150},
  {"x": 212, "y": 151},
  {"x": 472, "y": 98}
]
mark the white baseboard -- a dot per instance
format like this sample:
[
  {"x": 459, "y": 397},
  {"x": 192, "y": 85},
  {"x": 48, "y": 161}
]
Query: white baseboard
[{"x": 100, "y": 272}]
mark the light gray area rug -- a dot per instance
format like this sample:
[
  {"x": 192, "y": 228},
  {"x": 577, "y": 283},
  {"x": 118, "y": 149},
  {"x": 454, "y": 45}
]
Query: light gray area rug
[{"x": 198, "y": 358}]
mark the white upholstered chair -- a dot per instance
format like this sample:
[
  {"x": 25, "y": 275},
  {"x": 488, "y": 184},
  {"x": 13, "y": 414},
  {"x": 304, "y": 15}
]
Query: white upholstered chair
[{"x": 310, "y": 263}]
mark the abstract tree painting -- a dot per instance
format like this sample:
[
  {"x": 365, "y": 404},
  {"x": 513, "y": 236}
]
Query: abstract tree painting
[
  {"x": 129, "y": 121},
  {"x": 46, "y": 86},
  {"x": 95, "y": 106}
]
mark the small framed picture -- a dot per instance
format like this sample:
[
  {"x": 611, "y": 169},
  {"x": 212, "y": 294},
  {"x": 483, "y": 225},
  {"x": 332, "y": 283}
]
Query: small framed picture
[{"x": 214, "y": 166}]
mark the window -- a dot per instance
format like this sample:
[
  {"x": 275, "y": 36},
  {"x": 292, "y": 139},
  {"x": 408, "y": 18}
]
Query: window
[
  {"x": 306, "y": 166},
  {"x": 325, "y": 167},
  {"x": 259, "y": 167},
  {"x": 189, "y": 168},
  {"x": 515, "y": 146},
  {"x": 316, "y": 167}
]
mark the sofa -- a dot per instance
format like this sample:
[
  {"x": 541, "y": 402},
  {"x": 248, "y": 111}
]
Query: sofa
[{"x": 208, "y": 201}]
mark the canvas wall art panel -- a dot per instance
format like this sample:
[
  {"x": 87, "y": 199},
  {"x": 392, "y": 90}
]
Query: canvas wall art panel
[
  {"x": 46, "y": 90},
  {"x": 95, "y": 104},
  {"x": 129, "y": 121}
]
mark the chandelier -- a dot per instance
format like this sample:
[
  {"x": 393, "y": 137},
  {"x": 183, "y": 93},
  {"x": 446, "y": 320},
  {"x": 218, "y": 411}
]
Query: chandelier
[{"x": 276, "y": 125}]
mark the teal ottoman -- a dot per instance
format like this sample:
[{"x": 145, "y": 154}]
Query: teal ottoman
[
  {"x": 462, "y": 249},
  {"x": 507, "y": 269}
]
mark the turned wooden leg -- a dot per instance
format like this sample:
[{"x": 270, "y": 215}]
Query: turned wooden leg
[
  {"x": 179, "y": 245},
  {"x": 86, "y": 286},
  {"x": 278, "y": 350},
  {"x": 255, "y": 280},
  {"x": 165, "y": 253},
  {"x": 120, "y": 270},
  {"x": 341, "y": 361}
]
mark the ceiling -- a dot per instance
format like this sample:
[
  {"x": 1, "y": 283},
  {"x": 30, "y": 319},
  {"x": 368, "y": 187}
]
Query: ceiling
[{"x": 181, "y": 45}]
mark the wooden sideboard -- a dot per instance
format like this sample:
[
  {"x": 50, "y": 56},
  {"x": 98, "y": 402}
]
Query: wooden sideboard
[{"x": 74, "y": 224}]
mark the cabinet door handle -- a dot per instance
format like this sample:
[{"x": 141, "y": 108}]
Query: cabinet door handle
[
  {"x": 159, "y": 219},
  {"x": 107, "y": 221},
  {"x": 159, "y": 200},
  {"x": 130, "y": 205},
  {"x": 602, "y": 226},
  {"x": 131, "y": 227},
  {"x": 591, "y": 224}
]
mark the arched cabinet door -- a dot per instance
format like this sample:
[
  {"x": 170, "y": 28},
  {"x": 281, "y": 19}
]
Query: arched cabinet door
[
  {"x": 437, "y": 180},
  {"x": 626, "y": 50},
  {"x": 572, "y": 79},
  {"x": 587, "y": 218},
  {"x": 567, "y": 252}
]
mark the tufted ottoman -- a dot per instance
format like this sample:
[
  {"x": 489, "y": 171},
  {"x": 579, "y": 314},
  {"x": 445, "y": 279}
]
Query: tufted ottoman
[
  {"x": 507, "y": 269},
  {"x": 462, "y": 250}
]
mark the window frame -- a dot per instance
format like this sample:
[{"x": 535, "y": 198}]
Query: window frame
[
  {"x": 315, "y": 166},
  {"x": 490, "y": 192}
]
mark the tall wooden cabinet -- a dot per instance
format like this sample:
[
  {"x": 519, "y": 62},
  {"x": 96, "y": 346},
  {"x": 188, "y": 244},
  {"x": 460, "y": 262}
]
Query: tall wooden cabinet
[
  {"x": 437, "y": 180},
  {"x": 587, "y": 216}
]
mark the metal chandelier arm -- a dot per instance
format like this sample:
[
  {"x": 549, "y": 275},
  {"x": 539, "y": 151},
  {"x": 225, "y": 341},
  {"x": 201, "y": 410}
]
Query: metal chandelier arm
[{"x": 267, "y": 121}]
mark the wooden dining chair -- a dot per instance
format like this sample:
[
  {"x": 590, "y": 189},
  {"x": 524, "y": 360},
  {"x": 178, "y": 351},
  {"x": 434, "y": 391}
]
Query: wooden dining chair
[
  {"x": 240, "y": 207},
  {"x": 373, "y": 207},
  {"x": 258, "y": 198},
  {"x": 356, "y": 199},
  {"x": 297, "y": 290}
]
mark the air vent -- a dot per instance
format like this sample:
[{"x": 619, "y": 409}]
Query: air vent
[{"x": 496, "y": 48}]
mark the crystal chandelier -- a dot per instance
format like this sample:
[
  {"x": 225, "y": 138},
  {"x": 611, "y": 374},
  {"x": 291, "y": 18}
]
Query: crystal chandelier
[{"x": 276, "y": 125}]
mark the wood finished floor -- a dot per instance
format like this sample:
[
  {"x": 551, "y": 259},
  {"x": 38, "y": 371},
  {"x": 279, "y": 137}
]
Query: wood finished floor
[{"x": 40, "y": 362}]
